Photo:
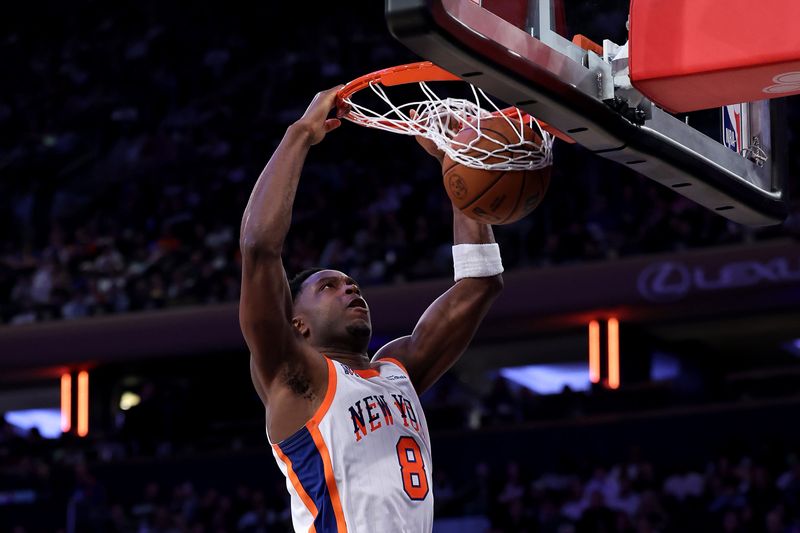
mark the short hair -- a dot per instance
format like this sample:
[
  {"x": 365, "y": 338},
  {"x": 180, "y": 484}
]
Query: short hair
[{"x": 296, "y": 283}]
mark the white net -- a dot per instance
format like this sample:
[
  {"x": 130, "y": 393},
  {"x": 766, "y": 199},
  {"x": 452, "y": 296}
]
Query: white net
[{"x": 442, "y": 119}]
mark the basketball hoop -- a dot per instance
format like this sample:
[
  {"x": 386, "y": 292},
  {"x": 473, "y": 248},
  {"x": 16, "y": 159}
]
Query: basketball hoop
[{"x": 441, "y": 119}]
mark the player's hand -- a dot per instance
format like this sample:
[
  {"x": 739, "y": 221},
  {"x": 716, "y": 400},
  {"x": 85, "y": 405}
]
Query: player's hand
[
  {"x": 428, "y": 144},
  {"x": 315, "y": 122}
]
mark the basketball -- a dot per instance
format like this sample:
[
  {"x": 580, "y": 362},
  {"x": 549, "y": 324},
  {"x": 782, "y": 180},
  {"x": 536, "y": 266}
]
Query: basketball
[{"x": 494, "y": 196}]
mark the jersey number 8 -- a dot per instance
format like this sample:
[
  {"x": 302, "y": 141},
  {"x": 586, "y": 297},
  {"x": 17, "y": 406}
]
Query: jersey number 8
[{"x": 415, "y": 479}]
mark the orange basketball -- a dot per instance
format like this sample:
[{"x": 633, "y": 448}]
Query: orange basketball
[{"x": 494, "y": 196}]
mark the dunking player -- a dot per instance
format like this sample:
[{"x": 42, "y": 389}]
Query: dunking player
[{"x": 348, "y": 433}]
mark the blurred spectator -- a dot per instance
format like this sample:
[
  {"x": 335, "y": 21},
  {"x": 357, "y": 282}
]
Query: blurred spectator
[
  {"x": 131, "y": 155},
  {"x": 748, "y": 496},
  {"x": 128, "y": 149},
  {"x": 597, "y": 517}
]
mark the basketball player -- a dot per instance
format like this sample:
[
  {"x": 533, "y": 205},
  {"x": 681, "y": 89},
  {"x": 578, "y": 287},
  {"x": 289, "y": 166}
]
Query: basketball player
[{"x": 348, "y": 432}]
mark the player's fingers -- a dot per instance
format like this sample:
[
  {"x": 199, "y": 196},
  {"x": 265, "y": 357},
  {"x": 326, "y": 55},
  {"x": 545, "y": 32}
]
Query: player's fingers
[
  {"x": 342, "y": 108},
  {"x": 329, "y": 96},
  {"x": 324, "y": 99},
  {"x": 328, "y": 93},
  {"x": 331, "y": 124}
]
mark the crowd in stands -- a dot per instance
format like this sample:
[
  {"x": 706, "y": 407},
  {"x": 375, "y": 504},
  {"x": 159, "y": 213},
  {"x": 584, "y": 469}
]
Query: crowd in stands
[
  {"x": 179, "y": 461},
  {"x": 128, "y": 149},
  {"x": 75, "y": 487},
  {"x": 630, "y": 496}
]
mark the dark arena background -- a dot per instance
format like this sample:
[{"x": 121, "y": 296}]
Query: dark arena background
[{"x": 131, "y": 134}]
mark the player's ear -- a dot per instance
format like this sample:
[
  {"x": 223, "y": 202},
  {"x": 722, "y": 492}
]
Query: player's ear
[{"x": 299, "y": 324}]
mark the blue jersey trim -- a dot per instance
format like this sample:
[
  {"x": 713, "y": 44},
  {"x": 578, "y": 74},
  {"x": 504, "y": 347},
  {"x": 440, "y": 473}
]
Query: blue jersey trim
[{"x": 310, "y": 471}]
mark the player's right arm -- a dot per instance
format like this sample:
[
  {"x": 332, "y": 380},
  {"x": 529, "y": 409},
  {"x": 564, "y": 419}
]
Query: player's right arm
[{"x": 265, "y": 306}]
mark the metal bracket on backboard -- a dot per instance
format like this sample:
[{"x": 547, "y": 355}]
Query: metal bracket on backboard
[{"x": 573, "y": 90}]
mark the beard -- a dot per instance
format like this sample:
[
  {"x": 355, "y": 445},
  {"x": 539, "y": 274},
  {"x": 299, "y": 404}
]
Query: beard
[{"x": 359, "y": 331}]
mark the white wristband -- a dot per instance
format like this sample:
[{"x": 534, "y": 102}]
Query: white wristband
[{"x": 476, "y": 260}]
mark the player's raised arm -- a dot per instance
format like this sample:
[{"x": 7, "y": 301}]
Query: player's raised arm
[
  {"x": 446, "y": 328},
  {"x": 266, "y": 305}
]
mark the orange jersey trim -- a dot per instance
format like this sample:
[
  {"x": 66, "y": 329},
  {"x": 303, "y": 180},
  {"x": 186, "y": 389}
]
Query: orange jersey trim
[
  {"x": 319, "y": 414},
  {"x": 328, "y": 400},
  {"x": 367, "y": 373},
  {"x": 330, "y": 480},
  {"x": 398, "y": 363},
  {"x": 298, "y": 487}
]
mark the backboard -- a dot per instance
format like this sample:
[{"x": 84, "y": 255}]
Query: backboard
[{"x": 526, "y": 53}]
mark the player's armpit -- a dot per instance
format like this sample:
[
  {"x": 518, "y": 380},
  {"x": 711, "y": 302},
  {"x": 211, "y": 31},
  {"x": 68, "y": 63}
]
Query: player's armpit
[{"x": 444, "y": 331}]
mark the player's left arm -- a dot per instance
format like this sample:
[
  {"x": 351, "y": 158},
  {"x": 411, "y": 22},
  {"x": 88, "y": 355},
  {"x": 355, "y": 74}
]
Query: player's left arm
[{"x": 446, "y": 328}]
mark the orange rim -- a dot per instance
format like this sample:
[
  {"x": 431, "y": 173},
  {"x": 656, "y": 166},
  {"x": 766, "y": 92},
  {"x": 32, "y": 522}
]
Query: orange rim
[
  {"x": 413, "y": 73},
  {"x": 399, "y": 75}
]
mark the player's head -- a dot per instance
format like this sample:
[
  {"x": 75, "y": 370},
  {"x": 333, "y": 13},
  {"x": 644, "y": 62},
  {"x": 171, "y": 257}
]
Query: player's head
[{"x": 329, "y": 309}]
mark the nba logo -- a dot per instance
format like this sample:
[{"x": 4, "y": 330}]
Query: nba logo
[{"x": 734, "y": 127}]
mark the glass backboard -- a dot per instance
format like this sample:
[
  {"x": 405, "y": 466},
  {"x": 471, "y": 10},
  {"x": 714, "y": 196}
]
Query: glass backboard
[{"x": 530, "y": 53}]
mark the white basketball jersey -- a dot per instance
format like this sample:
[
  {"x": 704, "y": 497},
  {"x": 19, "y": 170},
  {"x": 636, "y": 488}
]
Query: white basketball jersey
[{"x": 362, "y": 464}]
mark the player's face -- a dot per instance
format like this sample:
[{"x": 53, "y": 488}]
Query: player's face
[{"x": 331, "y": 304}]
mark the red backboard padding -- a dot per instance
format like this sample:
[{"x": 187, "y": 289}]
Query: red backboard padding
[
  {"x": 698, "y": 54},
  {"x": 515, "y": 11}
]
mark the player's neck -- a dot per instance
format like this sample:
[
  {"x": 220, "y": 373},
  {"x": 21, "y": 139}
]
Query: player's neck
[{"x": 357, "y": 360}]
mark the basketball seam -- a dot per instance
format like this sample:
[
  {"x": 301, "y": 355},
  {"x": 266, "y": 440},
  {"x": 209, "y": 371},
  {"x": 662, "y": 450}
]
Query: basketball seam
[
  {"x": 446, "y": 170},
  {"x": 505, "y": 139},
  {"x": 479, "y": 195},
  {"x": 484, "y": 191},
  {"x": 519, "y": 197}
]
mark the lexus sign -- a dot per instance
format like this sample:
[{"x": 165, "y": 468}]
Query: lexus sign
[{"x": 669, "y": 281}]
